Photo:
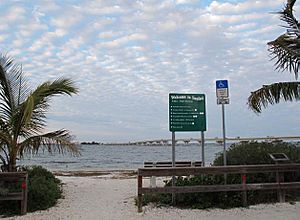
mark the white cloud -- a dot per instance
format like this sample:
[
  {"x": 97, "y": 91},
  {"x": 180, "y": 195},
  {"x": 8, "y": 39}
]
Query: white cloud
[
  {"x": 15, "y": 13},
  {"x": 213, "y": 19},
  {"x": 44, "y": 40},
  {"x": 66, "y": 21},
  {"x": 60, "y": 32},
  {"x": 37, "y": 14},
  {"x": 241, "y": 27},
  {"x": 124, "y": 40},
  {"x": 31, "y": 27},
  {"x": 185, "y": 1},
  {"x": 169, "y": 25},
  {"x": 102, "y": 23},
  {"x": 108, "y": 34},
  {"x": 3, "y": 27},
  {"x": 229, "y": 8},
  {"x": 2, "y": 37},
  {"x": 98, "y": 9},
  {"x": 126, "y": 56}
]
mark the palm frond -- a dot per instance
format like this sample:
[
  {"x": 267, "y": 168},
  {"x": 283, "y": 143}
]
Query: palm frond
[
  {"x": 5, "y": 138},
  {"x": 61, "y": 86},
  {"x": 5, "y": 154},
  {"x": 286, "y": 48},
  {"x": 286, "y": 51},
  {"x": 3, "y": 160},
  {"x": 271, "y": 94},
  {"x": 287, "y": 16},
  {"x": 57, "y": 141},
  {"x": 32, "y": 112},
  {"x": 13, "y": 87}
]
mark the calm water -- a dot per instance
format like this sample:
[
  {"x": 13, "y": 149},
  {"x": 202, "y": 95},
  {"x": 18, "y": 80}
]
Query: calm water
[{"x": 120, "y": 157}]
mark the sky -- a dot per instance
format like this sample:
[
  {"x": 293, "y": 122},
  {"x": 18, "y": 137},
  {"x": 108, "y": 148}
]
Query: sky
[{"x": 126, "y": 56}]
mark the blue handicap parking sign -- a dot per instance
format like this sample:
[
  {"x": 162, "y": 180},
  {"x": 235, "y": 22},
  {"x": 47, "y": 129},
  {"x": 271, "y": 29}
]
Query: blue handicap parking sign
[{"x": 222, "y": 84}]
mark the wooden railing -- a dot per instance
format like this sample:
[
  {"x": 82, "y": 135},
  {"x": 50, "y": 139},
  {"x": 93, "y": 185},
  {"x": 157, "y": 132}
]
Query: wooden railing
[
  {"x": 279, "y": 185},
  {"x": 151, "y": 164},
  {"x": 18, "y": 178}
]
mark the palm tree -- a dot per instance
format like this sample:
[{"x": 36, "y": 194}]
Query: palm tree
[
  {"x": 23, "y": 115},
  {"x": 286, "y": 51}
]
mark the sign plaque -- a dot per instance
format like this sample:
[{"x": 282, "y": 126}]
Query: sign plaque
[
  {"x": 222, "y": 92},
  {"x": 187, "y": 112}
]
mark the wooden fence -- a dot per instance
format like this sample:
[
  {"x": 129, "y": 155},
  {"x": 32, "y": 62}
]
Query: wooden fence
[
  {"x": 279, "y": 185},
  {"x": 151, "y": 164},
  {"x": 15, "y": 178}
]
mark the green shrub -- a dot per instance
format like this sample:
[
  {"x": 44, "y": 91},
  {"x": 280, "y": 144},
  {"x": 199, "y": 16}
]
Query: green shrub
[
  {"x": 43, "y": 189},
  {"x": 257, "y": 153},
  {"x": 43, "y": 192},
  {"x": 237, "y": 154}
]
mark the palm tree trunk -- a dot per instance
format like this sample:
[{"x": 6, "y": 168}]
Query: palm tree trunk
[{"x": 12, "y": 164}]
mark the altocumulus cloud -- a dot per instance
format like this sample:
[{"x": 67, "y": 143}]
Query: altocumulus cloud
[{"x": 126, "y": 56}]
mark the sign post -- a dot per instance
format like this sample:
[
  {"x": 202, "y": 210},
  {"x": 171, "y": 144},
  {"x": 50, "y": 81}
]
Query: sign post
[
  {"x": 223, "y": 99},
  {"x": 173, "y": 164},
  {"x": 224, "y": 135},
  {"x": 186, "y": 113},
  {"x": 202, "y": 147}
]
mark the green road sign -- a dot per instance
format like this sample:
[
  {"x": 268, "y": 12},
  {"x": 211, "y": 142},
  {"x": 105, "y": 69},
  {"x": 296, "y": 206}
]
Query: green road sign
[{"x": 187, "y": 112}]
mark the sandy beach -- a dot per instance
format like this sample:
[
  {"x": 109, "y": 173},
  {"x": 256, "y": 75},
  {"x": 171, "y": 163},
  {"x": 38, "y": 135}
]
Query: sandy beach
[{"x": 111, "y": 196}]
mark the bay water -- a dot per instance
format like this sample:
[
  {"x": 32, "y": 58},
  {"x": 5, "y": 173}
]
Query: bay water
[{"x": 107, "y": 157}]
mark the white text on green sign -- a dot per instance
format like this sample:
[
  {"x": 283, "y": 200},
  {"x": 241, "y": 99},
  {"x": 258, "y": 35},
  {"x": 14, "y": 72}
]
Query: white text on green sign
[{"x": 187, "y": 112}]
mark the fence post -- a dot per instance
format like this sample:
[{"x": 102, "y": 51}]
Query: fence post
[
  {"x": 139, "y": 199},
  {"x": 244, "y": 194},
  {"x": 24, "y": 195},
  {"x": 280, "y": 192},
  {"x": 153, "y": 178}
]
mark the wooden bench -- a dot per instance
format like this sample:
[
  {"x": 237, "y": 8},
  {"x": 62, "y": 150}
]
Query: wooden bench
[
  {"x": 243, "y": 170},
  {"x": 161, "y": 164},
  {"x": 169, "y": 164},
  {"x": 13, "y": 178}
]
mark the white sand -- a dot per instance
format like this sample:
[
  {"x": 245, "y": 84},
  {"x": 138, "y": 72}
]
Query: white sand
[{"x": 107, "y": 197}]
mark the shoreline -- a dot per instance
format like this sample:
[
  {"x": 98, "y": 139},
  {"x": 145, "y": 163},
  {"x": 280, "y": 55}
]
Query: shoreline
[{"x": 96, "y": 172}]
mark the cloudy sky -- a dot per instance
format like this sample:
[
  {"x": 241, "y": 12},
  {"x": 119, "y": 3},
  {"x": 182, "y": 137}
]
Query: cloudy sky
[{"x": 126, "y": 56}]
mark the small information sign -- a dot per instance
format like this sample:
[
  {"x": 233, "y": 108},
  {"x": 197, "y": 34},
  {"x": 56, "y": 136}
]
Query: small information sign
[
  {"x": 222, "y": 92},
  {"x": 223, "y": 101},
  {"x": 187, "y": 112},
  {"x": 222, "y": 89}
]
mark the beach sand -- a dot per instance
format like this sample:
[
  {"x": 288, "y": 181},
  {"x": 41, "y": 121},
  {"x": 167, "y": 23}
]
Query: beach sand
[{"x": 111, "y": 196}]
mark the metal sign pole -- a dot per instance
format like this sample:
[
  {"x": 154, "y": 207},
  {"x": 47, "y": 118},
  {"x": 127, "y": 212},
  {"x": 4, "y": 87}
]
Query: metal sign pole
[
  {"x": 202, "y": 146},
  {"x": 224, "y": 142},
  {"x": 173, "y": 164},
  {"x": 223, "y": 98},
  {"x": 173, "y": 149},
  {"x": 224, "y": 136}
]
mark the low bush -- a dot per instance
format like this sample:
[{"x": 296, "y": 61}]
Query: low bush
[
  {"x": 43, "y": 192},
  {"x": 237, "y": 154},
  {"x": 257, "y": 153}
]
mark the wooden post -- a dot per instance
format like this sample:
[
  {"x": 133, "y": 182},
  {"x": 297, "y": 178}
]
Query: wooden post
[
  {"x": 140, "y": 198},
  {"x": 24, "y": 196},
  {"x": 280, "y": 192},
  {"x": 244, "y": 194},
  {"x": 153, "y": 178}
]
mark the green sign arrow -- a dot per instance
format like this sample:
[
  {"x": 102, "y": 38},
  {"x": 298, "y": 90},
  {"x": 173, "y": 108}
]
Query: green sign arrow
[{"x": 187, "y": 112}]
